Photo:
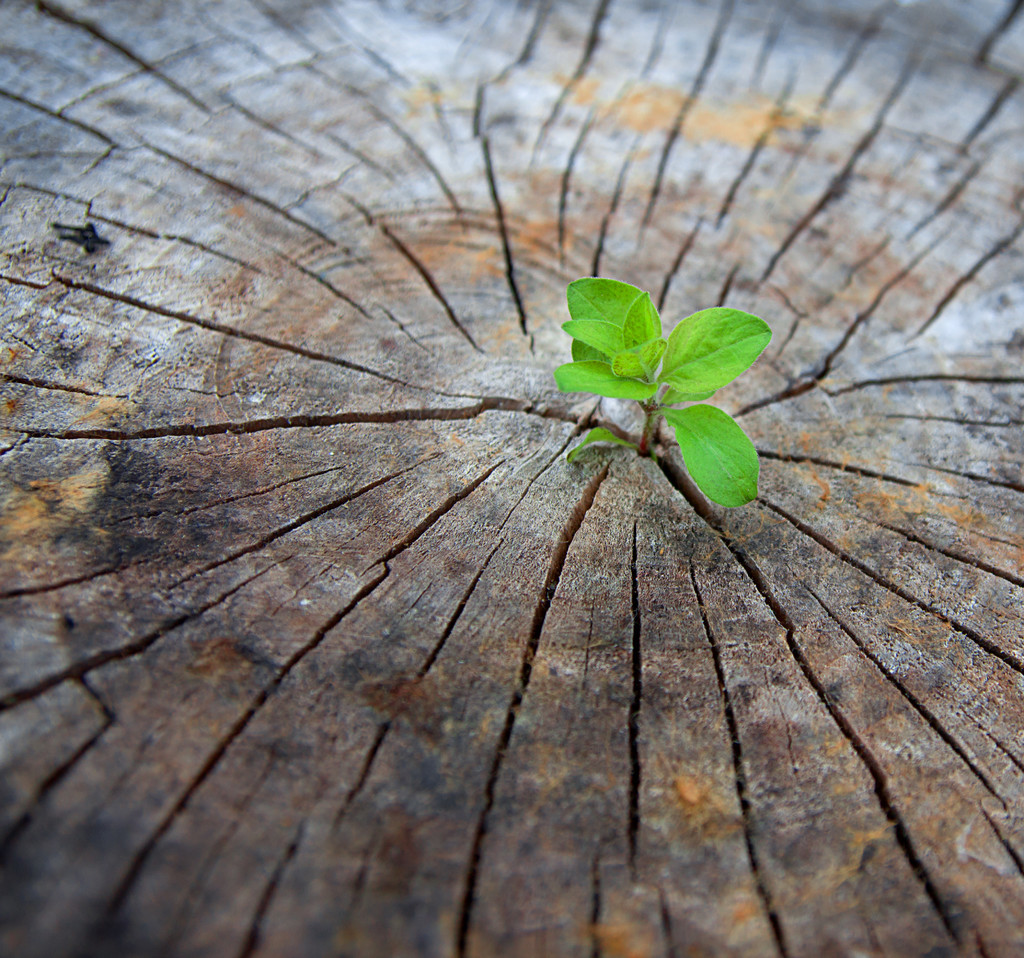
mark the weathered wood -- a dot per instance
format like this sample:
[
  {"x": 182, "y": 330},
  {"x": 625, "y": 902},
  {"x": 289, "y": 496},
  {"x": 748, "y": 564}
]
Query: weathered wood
[{"x": 310, "y": 641}]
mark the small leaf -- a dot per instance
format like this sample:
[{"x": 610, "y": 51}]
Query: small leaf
[
  {"x": 597, "y": 377},
  {"x": 650, "y": 353},
  {"x": 718, "y": 455},
  {"x": 642, "y": 322},
  {"x": 581, "y": 352},
  {"x": 628, "y": 364},
  {"x": 604, "y": 337},
  {"x": 711, "y": 348},
  {"x": 674, "y": 396},
  {"x": 606, "y": 300},
  {"x": 600, "y": 434}
]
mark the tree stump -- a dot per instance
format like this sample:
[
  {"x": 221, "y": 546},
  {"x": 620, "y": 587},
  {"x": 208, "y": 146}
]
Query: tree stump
[{"x": 312, "y": 642}]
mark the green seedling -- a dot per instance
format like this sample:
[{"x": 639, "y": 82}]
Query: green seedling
[{"x": 618, "y": 351}]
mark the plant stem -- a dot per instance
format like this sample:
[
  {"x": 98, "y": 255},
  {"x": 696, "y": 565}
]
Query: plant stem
[{"x": 651, "y": 413}]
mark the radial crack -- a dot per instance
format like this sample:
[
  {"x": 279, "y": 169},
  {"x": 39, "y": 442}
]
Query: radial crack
[
  {"x": 90, "y": 662},
  {"x": 998, "y": 30},
  {"x": 547, "y": 591},
  {"x": 432, "y": 285},
  {"x": 739, "y": 774},
  {"x": 42, "y": 108},
  {"x": 634, "y": 714},
  {"x": 929, "y": 717},
  {"x": 1002, "y": 245},
  {"x": 57, "y": 775},
  {"x": 222, "y": 329},
  {"x": 825, "y": 367},
  {"x": 506, "y": 246},
  {"x": 1007, "y": 658},
  {"x": 240, "y": 191},
  {"x": 563, "y": 192},
  {"x": 620, "y": 181},
  {"x": 593, "y": 38},
  {"x": 249, "y": 427},
  {"x": 954, "y": 554},
  {"x": 714, "y": 42},
  {"x": 839, "y": 182},
  {"x": 678, "y": 261},
  {"x": 60, "y": 14}
]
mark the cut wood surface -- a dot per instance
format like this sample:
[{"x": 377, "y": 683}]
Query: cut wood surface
[{"x": 311, "y": 642}]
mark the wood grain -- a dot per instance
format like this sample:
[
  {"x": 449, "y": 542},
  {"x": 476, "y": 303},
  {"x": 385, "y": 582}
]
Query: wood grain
[{"x": 312, "y": 644}]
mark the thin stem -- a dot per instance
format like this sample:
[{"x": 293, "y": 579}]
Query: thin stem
[{"x": 651, "y": 414}]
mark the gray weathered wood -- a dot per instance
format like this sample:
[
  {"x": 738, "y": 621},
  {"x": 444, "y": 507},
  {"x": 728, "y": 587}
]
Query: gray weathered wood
[{"x": 310, "y": 641}]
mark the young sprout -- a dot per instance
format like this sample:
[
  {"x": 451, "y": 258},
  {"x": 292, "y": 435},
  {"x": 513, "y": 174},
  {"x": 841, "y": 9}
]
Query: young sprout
[{"x": 618, "y": 351}]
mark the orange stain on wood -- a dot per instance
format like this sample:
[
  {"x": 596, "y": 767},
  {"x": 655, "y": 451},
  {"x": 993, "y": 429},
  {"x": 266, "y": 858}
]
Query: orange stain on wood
[
  {"x": 36, "y": 513},
  {"x": 744, "y": 911},
  {"x": 620, "y": 940},
  {"x": 650, "y": 108},
  {"x": 584, "y": 92}
]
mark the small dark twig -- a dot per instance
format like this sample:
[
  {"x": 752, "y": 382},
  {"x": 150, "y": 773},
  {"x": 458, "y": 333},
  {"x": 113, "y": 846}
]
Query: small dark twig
[{"x": 85, "y": 236}]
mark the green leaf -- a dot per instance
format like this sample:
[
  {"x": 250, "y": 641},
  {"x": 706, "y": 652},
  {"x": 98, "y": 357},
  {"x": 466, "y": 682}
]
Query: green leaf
[
  {"x": 711, "y": 348},
  {"x": 628, "y": 364},
  {"x": 674, "y": 396},
  {"x": 597, "y": 377},
  {"x": 606, "y": 300},
  {"x": 581, "y": 352},
  {"x": 600, "y": 434},
  {"x": 718, "y": 455},
  {"x": 650, "y": 353},
  {"x": 642, "y": 322},
  {"x": 604, "y": 337}
]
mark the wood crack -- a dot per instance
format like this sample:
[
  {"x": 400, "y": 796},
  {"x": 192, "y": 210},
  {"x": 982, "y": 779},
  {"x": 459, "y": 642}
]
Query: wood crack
[
  {"x": 620, "y": 181},
  {"x": 590, "y": 45},
  {"x": 1007, "y": 90},
  {"x": 36, "y": 383},
  {"x": 985, "y": 50},
  {"x": 1002, "y": 245},
  {"x": 135, "y": 867},
  {"x": 302, "y": 421},
  {"x": 223, "y": 329},
  {"x": 427, "y": 278},
  {"x": 635, "y": 769},
  {"x": 711, "y": 52},
  {"x": 252, "y": 939},
  {"x": 928, "y": 378},
  {"x": 548, "y": 589},
  {"x": 130, "y": 649},
  {"x": 950, "y": 198},
  {"x": 298, "y": 523},
  {"x": 678, "y": 261},
  {"x": 825, "y": 367},
  {"x": 837, "y": 186},
  {"x": 53, "y": 114},
  {"x": 774, "y": 118},
  {"x": 58, "y": 13},
  {"x": 1007, "y": 658},
  {"x": 421, "y": 155},
  {"x": 134, "y": 228},
  {"x": 240, "y": 191},
  {"x": 860, "y": 747},
  {"x": 739, "y": 774},
  {"x": 955, "y": 554},
  {"x": 929, "y": 717},
  {"x": 506, "y": 246},
  {"x": 385, "y": 727},
  {"x": 563, "y": 190},
  {"x": 58, "y": 774},
  {"x": 813, "y": 128}
]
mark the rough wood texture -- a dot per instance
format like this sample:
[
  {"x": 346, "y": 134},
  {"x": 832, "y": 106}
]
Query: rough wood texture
[{"x": 310, "y": 641}]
